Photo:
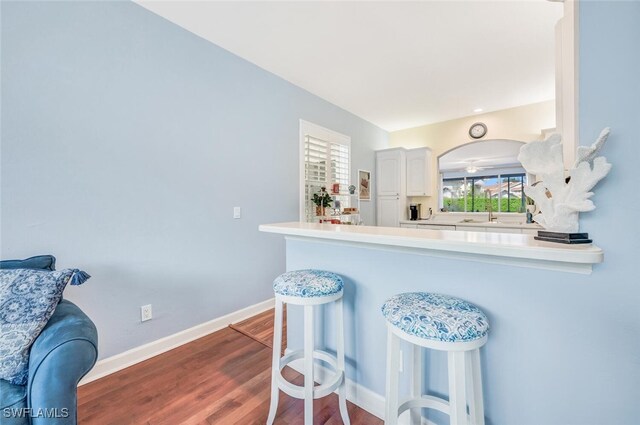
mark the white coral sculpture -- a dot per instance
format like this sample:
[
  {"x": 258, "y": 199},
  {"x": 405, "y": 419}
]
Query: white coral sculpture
[{"x": 561, "y": 197}]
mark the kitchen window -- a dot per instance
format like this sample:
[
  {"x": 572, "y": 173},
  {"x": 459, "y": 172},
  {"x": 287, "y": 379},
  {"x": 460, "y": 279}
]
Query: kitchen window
[{"x": 473, "y": 194}]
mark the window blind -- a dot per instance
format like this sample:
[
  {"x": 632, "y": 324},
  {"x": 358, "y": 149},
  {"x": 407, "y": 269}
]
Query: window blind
[{"x": 325, "y": 163}]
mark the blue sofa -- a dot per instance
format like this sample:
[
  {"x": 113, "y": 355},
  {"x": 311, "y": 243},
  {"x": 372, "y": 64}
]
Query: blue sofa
[{"x": 61, "y": 355}]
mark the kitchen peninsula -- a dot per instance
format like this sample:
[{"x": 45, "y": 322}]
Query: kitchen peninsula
[
  {"x": 487, "y": 269},
  {"x": 494, "y": 247}
]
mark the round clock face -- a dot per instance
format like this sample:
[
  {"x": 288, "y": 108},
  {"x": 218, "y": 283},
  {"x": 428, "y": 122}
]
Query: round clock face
[{"x": 477, "y": 130}]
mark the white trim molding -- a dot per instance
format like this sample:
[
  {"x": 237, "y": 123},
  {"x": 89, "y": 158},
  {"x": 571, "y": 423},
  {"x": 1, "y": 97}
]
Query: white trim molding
[
  {"x": 567, "y": 63},
  {"x": 121, "y": 361}
]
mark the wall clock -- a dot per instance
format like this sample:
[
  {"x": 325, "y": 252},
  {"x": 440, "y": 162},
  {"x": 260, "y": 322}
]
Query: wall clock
[{"x": 477, "y": 130}]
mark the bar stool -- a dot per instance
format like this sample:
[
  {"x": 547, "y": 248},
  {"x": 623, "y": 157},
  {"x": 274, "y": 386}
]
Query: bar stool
[
  {"x": 438, "y": 322},
  {"x": 308, "y": 288}
]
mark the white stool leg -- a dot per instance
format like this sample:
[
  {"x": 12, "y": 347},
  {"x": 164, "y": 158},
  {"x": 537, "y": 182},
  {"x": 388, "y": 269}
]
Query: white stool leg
[
  {"x": 476, "y": 406},
  {"x": 457, "y": 390},
  {"x": 275, "y": 363},
  {"x": 342, "y": 389},
  {"x": 416, "y": 383},
  {"x": 393, "y": 366},
  {"x": 308, "y": 364}
]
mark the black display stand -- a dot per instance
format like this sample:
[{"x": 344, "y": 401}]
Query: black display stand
[{"x": 567, "y": 238}]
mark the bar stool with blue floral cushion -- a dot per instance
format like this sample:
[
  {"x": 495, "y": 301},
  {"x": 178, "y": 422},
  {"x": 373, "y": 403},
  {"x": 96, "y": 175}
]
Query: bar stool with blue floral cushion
[
  {"x": 438, "y": 322},
  {"x": 308, "y": 288}
]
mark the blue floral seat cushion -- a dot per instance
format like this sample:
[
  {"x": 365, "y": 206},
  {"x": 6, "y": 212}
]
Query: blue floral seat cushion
[
  {"x": 436, "y": 317},
  {"x": 308, "y": 283}
]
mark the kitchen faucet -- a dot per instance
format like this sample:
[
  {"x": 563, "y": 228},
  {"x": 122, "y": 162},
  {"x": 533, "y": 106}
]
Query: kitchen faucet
[{"x": 489, "y": 205}]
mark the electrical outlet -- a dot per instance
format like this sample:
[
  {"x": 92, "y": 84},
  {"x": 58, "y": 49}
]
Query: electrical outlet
[
  {"x": 146, "y": 313},
  {"x": 237, "y": 212},
  {"x": 401, "y": 362}
]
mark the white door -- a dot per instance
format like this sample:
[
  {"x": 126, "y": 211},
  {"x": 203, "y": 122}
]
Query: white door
[
  {"x": 388, "y": 211},
  {"x": 388, "y": 169}
]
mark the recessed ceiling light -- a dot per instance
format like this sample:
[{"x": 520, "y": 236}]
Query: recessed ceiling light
[{"x": 478, "y": 110}]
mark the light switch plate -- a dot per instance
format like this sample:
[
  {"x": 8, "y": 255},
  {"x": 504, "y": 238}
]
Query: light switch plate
[{"x": 237, "y": 212}]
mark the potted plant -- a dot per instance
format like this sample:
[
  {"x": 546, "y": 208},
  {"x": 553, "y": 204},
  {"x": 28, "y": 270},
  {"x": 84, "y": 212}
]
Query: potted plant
[{"x": 322, "y": 200}]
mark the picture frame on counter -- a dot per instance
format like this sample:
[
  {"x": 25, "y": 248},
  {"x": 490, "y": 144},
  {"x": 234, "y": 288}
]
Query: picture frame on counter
[{"x": 364, "y": 185}]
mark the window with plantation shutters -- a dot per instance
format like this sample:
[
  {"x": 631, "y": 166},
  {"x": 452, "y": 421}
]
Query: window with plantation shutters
[{"x": 326, "y": 161}]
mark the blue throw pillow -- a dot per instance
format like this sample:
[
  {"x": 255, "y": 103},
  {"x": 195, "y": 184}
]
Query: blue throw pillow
[
  {"x": 27, "y": 301},
  {"x": 40, "y": 262}
]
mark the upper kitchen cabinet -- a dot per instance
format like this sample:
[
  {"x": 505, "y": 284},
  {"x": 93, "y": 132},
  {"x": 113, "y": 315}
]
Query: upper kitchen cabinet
[
  {"x": 419, "y": 172},
  {"x": 390, "y": 172}
]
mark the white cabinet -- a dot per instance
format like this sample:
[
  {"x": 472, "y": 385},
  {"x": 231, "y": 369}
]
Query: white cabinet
[
  {"x": 505, "y": 230},
  {"x": 515, "y": 230},
  {"x": 462, "y": 227},
  {"x": 436, "y": 227},
  {"x": 419, "y": 172},
  {"x": 391, "y": 189},
  {"x": 390, "y": 172},
  {"x": 390, "y": 209},
  {"x": 471, "y": 228},
  {"x": 400, "y": 173}
]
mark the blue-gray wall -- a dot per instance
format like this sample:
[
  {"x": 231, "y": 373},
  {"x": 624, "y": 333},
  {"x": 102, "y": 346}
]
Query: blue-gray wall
[
  {"x": 563, "y": 348},
  {"x": 127, "y": 141}
]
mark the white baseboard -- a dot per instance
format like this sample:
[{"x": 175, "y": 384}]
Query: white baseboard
[
  {"x": 120, "y": 361},
  {"x": 361, "y": 396}
]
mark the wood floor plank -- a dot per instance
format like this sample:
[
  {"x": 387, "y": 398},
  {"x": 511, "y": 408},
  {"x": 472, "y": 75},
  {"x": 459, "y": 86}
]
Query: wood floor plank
[
  {"x": 260, "y": 327},
  {"x": 223, "y": 378},
  {"x": 100, "y": 388}
]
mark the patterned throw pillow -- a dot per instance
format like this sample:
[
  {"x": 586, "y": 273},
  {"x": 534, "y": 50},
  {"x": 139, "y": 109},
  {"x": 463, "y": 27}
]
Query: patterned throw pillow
[{"x": 27, "y": 301}]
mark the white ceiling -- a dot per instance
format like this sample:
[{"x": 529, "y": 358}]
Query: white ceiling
[{"x": 396, "y": 64}]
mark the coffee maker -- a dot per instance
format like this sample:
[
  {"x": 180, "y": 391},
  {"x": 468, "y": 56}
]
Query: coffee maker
[{"x": 414, "y": 212}]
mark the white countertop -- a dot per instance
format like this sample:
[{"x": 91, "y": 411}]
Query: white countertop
[
  {"x": 495, "y": 224},
  {"x": 503, "y": 248}
]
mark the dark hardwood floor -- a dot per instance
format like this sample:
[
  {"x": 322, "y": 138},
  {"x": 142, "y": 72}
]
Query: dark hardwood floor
[
  {"x": 223, "y": 378},
  {"x": 260, "y": 327}
]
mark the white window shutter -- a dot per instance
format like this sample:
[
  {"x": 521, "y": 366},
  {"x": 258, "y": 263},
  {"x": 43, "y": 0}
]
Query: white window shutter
[{"x": 325, "y": 163}]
